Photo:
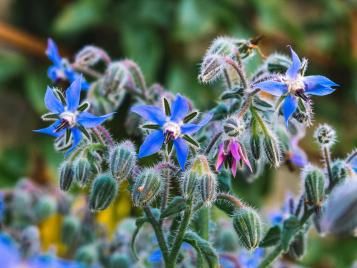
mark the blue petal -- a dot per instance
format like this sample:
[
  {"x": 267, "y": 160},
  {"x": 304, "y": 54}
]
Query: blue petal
[
  {"x": 318, "y": 80},
  {"x": 52, "y": 102},
  {"x": 73, "y": 94},
  {"x": 89, "y": 120},
  {"x": 295, "y": 67},
  {"x": 319, "y": 91},
  {"x": 155, "y": 256},
  {"x": 179, "y": 108},
  {"x": 353, "y": 163},
  {"x": 150, "y": 113},
  {"x": 272, "y": 87},
  {"x": 51, "y": 130},
  {"x": 289, "y": 107},
  {"x": 76, "y": 139},
  {"x": 181, "y": 151},
  {"x": 191, "y": 128},
  {"x": 152, "y": 144},
  {"x": 52, "y": 73},
  {"x": 52, "y": 52}
]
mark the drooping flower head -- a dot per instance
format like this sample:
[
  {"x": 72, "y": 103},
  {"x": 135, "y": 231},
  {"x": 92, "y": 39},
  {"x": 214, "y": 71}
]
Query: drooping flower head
[
  {"x": 70, "y": 117},
  {"x": 170, "y": 127},
  {"x": 232, "y": 153},
  {"x": 61, "y": 68},
  {"x": 294, "y": 85}
]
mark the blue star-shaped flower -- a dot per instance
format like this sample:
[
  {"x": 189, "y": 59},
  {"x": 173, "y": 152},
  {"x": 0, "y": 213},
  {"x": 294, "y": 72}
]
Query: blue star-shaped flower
[
  {"x": 294, "y": 85},
  {"x": 61, "y": 69},
  {"x": 170, "y": 128},
  {"x": 66, "y": 115}
]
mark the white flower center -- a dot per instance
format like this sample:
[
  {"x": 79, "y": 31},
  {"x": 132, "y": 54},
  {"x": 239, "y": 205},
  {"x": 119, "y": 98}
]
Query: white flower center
[
  {"x": 296, "y": 84},
  {"x": 69, "y": 117},
  {"x": 173, "y": 129}
]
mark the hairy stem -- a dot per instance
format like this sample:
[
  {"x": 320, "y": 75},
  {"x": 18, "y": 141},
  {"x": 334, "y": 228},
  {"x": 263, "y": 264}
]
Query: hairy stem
[
  {"x": 213, "y": 142},
  {"x": 159, "y": 234},
  {"x": 87, "y": 71},
  {"x": 271, "y": 257},
  {"x": 230, "y": 198},
  {"x": 165, "y": 193},
  {"x": 327, "y": 159},
  {"x": 239, "y": 71},
  {"x": 180, "y": 234}
]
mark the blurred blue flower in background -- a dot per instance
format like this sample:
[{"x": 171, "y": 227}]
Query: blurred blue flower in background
[
  {"x": 170, "y": 127},
  {"x": 61, "y": 68},
  {"x": 68, "y": 116},
  {"x": 295, "y": 84}
]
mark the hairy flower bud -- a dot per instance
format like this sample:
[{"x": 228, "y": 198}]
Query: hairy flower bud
[
  {"x": 119, "y": 260},
  {"x": 91, "y": 55},
  {"x": 233, "y": 127},
  {"x": 45, "y": 207},
  {"x": 223, "y": 46},
  {"x": 298, "y": 247},
  {"x": 116, "y": 77},
  {"x": 340, "y": 211},
  {"x": 146, "y": 187},
  {"x": 272, "y": 150},
  {"x": 314, "y": 184},
  {"x": 122, "y": 160},
  {"x": 30, "y": 241},
  {"x": 104, "y": 190},
  {"x": 248, "y": 226},
  {"x": 340, "y": 171},
  {"x": 70, "y": 229},
  {"x": 212, "y": 68},
  {"x": 83, "y": 171},
  {"x": 325, "y": 135},
  {"x": 66, "y": 175},
  {"x": 87, "y": 255}
]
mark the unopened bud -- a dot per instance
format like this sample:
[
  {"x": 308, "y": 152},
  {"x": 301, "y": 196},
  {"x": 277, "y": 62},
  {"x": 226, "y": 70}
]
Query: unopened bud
[
  {"x": 340, "y": 171},
  {"x": 122, "y": 160},
  {"x": 212, "y": 68},
  {"x": 233, "y": 126},
  {"x": 30, "y": 241},
  {"x": 87, "y": 255},
  {"x": 325, "y": 135},
  {"x": 119, "y": 260},
  {"x": 91, "y": 55},
  {"x": 248, "y": 226},
  {"x": 70, "y": 229},
  {"x": 272, "y": 150},
  {"x": 146, "y": 187},
  {"x": 45, "y": 207},
  {"x": 66, "y": 175},
  {"x": 340, "y": 210},
  {"x": 277, "y": 63},
  {"x": 223, "y": 46},
  {"x": 83, "y": 171},
  {"x": 116, "y": 77},
  {"x": 298, "y": 247},
  {"x": 104, "y": 189},
  {"x": 314, "y": 182}
]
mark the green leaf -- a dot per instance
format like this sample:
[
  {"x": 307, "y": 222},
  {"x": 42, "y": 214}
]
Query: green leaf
[
  {"x": 290, "y": 228},
  {"x": 139, "y": 223},
  {"x": 272, "y": 237},
  {"x": 203, "y": 247},
  {"x": 79, "y": 16},
  {"x": 176, "y": 205}
]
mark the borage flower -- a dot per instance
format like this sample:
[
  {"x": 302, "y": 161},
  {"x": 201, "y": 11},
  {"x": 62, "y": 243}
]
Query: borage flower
[
  {"x": 61, "y": 68},
  {"x": 70, "y": 118},
  {"x": 170, "y": 127},
  {"x": 295, "y": 85},
  {"x": 232, "y": 153}
]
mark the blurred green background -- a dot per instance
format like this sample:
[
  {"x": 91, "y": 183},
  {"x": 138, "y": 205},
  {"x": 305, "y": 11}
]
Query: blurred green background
[{"x": 167, "y": 38}]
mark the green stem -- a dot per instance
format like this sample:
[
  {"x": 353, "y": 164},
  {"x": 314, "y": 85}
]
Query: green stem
[
  {"x": 180, "y": 234},
  {"x": 87, "y": 71},
  {"x": 327, "y": 159},
  {"x": 203, "y": 223},
  {"x": 165, "y": 192},
  {"x": 271, "y": 257},
  {"x": 159, "y": 234},
  {"x": 247, "y": 103},
  {"x": 239, "y": 71}
]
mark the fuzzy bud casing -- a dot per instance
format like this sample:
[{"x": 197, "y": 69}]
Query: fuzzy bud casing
[
  {"x": 104, "y": 189},
  {"x": 340, "y": 171},
  {"x": 122, "y": 160},
  {"x": 325, "y": 136},
  {"x": 87, "y": 255},
  {"x": 146, "y": 187},
  {"x": 248, "y": 225},
  {"x": 91, "y": 55},
  {"x": 45, "y": 207},
  {"x": 116, "y": 77},
  {"x": 83, "y": 171},
  {"x": 66, "y": 175},
  {"x": 272, "y": 150},
  {"x": 233, "y": 127},
  {"x": 314, "y": 185},
  {"x": 119, "y": 260},
  {"x": 70, "y": 229}
]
